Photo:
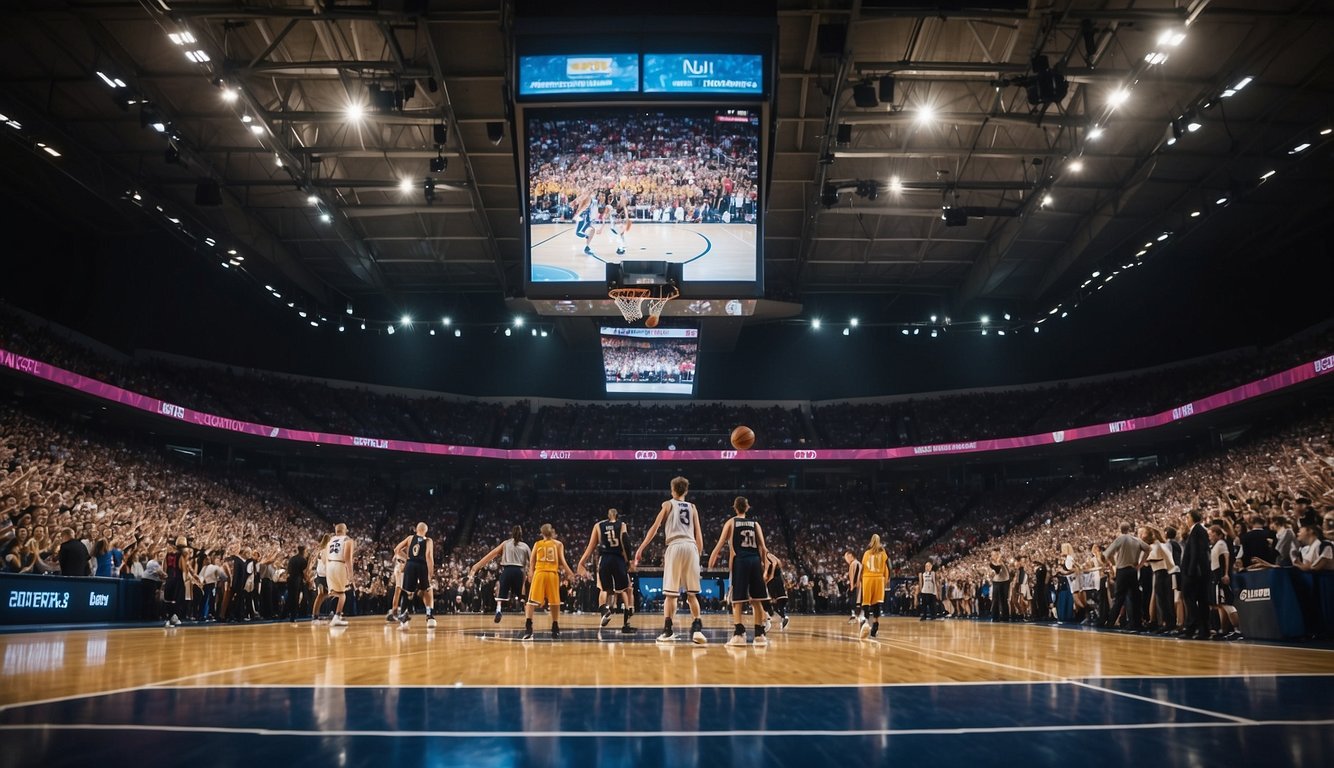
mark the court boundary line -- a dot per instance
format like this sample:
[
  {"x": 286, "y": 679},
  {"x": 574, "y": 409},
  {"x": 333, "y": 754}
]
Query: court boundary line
[
  {"x": 1160, "y": 702},
  {"x": 213, "y": 729}
]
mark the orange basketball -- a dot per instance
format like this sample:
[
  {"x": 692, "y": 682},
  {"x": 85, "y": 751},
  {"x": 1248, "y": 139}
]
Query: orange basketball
[
  {"x": 743, "y": 438},
  {"x": 651, "y": 321}
]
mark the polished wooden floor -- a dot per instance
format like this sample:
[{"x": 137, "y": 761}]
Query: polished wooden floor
[{"x": 472, "y": 651}]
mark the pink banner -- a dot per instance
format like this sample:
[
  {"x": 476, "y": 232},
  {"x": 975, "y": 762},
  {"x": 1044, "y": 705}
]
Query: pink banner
[{"x": 100, "y": 389}]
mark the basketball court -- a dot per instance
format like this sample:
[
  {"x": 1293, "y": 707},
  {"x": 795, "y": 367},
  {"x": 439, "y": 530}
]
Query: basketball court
[
  {"x": 710, "y": 252},
  {"x": 470, "y": 693}
]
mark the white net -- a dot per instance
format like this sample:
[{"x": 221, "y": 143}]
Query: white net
[
  {"x": 658, "y": 303},
  {"x": 630, "y": 301}
]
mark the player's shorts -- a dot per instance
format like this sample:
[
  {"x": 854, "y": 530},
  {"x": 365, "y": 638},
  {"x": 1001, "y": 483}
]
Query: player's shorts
[
  {"x": 680, "y": 568},
  {"x": 545, "y": 589},
  {"x": 338, "y": 576},
  {"x": 873, "y": 590},
  {"x": 748, "y": 580},
  {"x": 613, "y": 573},
  {"x": 322, "y": 582},
  {"x": 511, "y": 583},
  {"x": 581, "y": 228},
  {"x": 777, "y": 589},
  {"x": 1222, "y": 593},
  {"x": 415, "y": 577}
]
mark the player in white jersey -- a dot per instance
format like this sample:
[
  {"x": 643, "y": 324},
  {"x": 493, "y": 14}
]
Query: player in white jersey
[
  {"x": 619, "y": 222},
  {"x": 680, "y": 566},
  {"x": 338, "y": 570}
]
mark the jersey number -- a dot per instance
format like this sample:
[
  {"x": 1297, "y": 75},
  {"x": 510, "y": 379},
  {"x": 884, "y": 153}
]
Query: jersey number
[
  {"x": 547, "y": 555},
  {"x": 683, "y": 514},
  {"x": 613, "y": 539},
  {"x": 748, "y": 538},
  {"x": 416, "y": 549},
  {"x": 335, "y": 547}
]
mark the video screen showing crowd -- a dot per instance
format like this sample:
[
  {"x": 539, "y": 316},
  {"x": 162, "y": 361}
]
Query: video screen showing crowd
[
  {"x": 655, "y": 364},
  {"x": 680, "y": 185}
]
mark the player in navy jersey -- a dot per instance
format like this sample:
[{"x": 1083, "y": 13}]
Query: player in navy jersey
[
  {"x": 419, "y": 563},
  {"x": 854, "y": 585},
  {"x": 746, "y": 540},
  {"x": 585, "y": 210},
  {"x": 609, "y": 537}
]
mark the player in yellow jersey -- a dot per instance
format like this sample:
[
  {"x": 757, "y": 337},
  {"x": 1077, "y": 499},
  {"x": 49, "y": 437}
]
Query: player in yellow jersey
[
  {"x": 875, "y": 572},
  {"x": 545, "y": 565}
]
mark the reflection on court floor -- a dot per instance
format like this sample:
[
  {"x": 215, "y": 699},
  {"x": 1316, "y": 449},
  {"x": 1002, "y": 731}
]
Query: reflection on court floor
[
  {"x": 710, "y": 252},
  {"x": 471, "y": 693}
]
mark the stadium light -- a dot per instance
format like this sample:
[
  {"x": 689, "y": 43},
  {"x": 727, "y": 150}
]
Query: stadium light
[
  {"x": 354, "y": 112},
  {"x": 895, "y": 185},
  {"x": 406, "y": 320},
  {"x": 391, "y": 329},
  {"x": 447, "y": 322},
  {"x": 1118, "y": 97},
  {"x": 904, "y": 331},
  {"x": 853, "y": 322},
  {"x": 518, "y": 322},
  {"x": 1195, "y": 214},
  {"x": 933, "y": 318},
  {"x": 405, "y": 185},
  {"x": 1076, "y": 166},
  {"x": 432, "y": 331},
  {"x": 1267, "y": 174},
  {"x": 934, "y": 333},
  {"x": 326, "y": 218},
  {"x": 457, "y": 333},
  {"x": 1301, "y": 147},
  {"x": 925, "y": 113},
  {"x": 544, "y": 334},
  {"x": 534, "y": 333},
  {"x": 846, "y": 332},
  {"x": 1007, "y": 315},
  {"x": 815, "y": 324},
  {"x": 507, "y": 332},
  {"x": 1047, "y": 201},
  {"x": 985, "y": 320}
]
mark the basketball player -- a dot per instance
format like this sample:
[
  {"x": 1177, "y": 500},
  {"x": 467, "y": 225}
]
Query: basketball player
[
  {"x": 746, "y": 539},
  {"x": 418, "y": 566},
  {"x": 321, "y": 579},
  {"x": 585, "y": 207},
  {"x": 397, "y": 577},
  {"x": 619, "y": 222},
  {"x": 854, "y": 585},
  {"x": 338, "y": 570},
  {"x": 609, "y": 537},
  {"x": 514, "y": 555},
  {"x": 547, "y": 563},
  {"x": 680, "y": 566},
  {"x": 773, "y": 580},
  {"x": 875, "y": 571}
]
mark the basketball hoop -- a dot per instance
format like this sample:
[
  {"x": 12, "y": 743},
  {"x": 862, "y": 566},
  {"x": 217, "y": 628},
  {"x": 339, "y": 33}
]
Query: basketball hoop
[
  {"x": 630, "y": 302},
  {"x": 658, "y": 303}
]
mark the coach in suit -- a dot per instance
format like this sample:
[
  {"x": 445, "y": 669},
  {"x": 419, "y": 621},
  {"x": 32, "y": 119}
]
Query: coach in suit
[{"x": 1195, "y": 577}]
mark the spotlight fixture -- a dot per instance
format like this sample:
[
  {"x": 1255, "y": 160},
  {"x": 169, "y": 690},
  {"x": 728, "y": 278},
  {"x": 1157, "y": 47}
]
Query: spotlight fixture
[
  {"x": 432, "y": 331},
  {"x": 1047, "y": 85},
  {"x": 534, "y": 333},
  {"x": 933, "y": 318},
  {"x": 1267, "y": 174},
  {"x": 1118, "y": 97},
  {"x": 853, "y": 322},
  {"x": 895, "y": 185},
  {"x": 934, "y": 334},
  {"x": 815, "y": 324},
  {"x": 985, "y": 320},
  {"x": 925, "y": 113},
  {"x": 1301, "y": 147},
  {"x": 1047, "y": 200},
  {"x": 1095, "y": 133},
  {"x": 391, "y": 329},
  {"x": 406, "y": 320},
  {"x": 312, "y": 199},
  {"x": 905, "y": 331},
  {"x": 457, "y": 333},
  {"x": 954, "y": 217},
  {"x": 518, "y": 322},
  {"x": 543, "y": 334},
  {"x": 507, "y": 332},
  {"x": 354, "y": 112},
  {"x": 349, "y": 308},
  {"x": 446, "y": 322},
  {"x": 326, "y": 218},
  {"x": 846, "y": 332},
  {"x": 430, "y": 191},
  {"x": 229, "y": 94},
  {"x": 438, "y": 164},
  {"x": 1076, "y": 166},
  {"x": 405, "y": 185},
  {"x": 1195, "y": 214}
]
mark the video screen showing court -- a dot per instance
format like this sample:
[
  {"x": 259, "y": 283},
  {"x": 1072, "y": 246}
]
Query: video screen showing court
[
  {"x": 662, "y": 183},
  {"x": 649, "y": 361}
]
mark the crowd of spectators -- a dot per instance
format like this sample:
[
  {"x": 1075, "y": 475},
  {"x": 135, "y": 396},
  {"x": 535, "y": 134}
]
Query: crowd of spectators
[
  {"x": 666, "y": 168},
  {"x": 688, "y": 426},
  {"x": 643, "y": 360}
]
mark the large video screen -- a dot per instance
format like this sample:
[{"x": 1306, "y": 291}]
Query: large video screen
[
  {"x": 677, "y": 184},
  {"x": 649, "y": 361}
]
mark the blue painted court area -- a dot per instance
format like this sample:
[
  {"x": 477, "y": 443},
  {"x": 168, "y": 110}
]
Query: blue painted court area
[{"x": 1282, "y": 720}]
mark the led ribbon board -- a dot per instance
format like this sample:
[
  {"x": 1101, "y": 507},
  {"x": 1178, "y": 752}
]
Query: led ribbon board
[{"x": 580, "y": 73}]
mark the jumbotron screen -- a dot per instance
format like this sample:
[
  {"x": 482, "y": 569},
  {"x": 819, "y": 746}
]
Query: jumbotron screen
[
  {"x": 649, "y": 361},
  {"x": 676, "y": 184}
]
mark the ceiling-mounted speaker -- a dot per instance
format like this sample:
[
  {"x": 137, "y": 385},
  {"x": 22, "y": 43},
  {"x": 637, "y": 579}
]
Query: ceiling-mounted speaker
[
  {"x": 887, "y": 89},
  {"x": 863, "y": 95},
  {"x": 831, "y": 38},
  {"x": 441, "y": 133},
  {"x": 844, "y": 134},
  {"x": 495, "y": 131}
]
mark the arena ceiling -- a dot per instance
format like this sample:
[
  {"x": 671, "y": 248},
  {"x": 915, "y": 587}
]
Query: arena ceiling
[{"x": 254, "y": 99}]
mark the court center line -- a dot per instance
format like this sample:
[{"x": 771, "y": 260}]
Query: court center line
[{"x": 191, "y": 729}]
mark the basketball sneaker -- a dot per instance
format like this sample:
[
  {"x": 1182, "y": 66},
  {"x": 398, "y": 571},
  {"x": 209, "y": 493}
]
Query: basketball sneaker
[
  {"x": 527, "y": 630},
  {"x": 430, "y": 622},
  {"x": 761, "y": 641},
  {"x": 497, "y": 619},
  {"x": 668, "y": 634},
  {"x": 175, "y": 620},
  {"x": 768, "y": 622},
  {"x": 606, "y": 615},
  {"x": 391, "y": 616},
  {"x": 738, "y": 639},
  {"x": 338, "y": 621},
  {"x": 555, "y": 631},
  {"x": 875, "y": 628},
  {"x": 697, "y": 632},
  {"x": 588, "y": 251},
  {"x": 853, "y": 618},
  {"x": 620, "y": 251},
  {"x": 783, "y": 625},
  {"x": 628, "y": 630},
  {"x": 864, "y": 630}
]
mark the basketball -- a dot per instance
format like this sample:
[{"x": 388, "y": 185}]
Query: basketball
[
  {"x": 743, "y": 438},
  {"x": 651, "y": 321}
]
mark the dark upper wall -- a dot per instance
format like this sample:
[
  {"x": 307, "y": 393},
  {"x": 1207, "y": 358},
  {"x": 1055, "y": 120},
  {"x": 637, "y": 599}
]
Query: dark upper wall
[{"x": 143, "y": 290}]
